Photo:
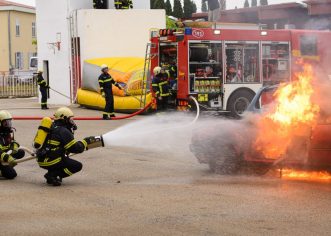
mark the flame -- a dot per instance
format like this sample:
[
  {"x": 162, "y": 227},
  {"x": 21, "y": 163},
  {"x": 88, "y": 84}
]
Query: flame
[
  {"x": 293, "y": 114},
  {"x": 306, "y": 175}
]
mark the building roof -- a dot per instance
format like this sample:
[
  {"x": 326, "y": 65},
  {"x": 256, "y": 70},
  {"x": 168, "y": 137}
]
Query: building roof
[
  {"x": 13, "y": 6},
  {"x": 316, "y": 7}
]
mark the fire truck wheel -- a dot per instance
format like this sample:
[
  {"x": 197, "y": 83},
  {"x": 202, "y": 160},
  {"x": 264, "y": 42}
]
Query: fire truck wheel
[
  {"x": 239, "y": 102},
  {"x": 226, "y": 162}
]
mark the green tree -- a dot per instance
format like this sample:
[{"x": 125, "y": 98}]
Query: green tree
[
  {"x": 178, "y": 9},
  {"x": 157, "y": 4},
  {"x": 168, "y": 8},
  {"x": 254, "y": 3},
  {"x": 189, "y": 8},
  {"x": 263, "y": 2},
  {"x": 204, "y": 7},
  {"x": 246, "y": 4}
]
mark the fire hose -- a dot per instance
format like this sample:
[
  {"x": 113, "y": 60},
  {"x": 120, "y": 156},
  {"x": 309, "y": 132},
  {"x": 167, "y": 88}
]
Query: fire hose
[
  {"x": 88, "y": 118},
  {"x": 99, "y": 139}
]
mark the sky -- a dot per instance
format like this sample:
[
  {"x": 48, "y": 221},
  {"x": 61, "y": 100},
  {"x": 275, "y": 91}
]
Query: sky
[{"x": 230, "y": 3}]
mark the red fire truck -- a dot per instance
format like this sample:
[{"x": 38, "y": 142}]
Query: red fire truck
[{"x": 224, "y": 68}]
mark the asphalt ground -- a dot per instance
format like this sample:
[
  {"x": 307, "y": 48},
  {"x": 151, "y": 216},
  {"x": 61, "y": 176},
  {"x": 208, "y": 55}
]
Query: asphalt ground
[{"x": 137, "y": 191}]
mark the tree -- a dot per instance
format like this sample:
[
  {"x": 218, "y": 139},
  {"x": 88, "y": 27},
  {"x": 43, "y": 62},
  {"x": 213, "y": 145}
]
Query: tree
[
  {"x": 168, "y": 8},
  {"x": 223, "y": 4},
  {"x": 254, "y": 3},
  {"x": 263, "y": 2},
  {"x": 178, "y": 9},
  {"x": 246, "y": 4},
  {"x": 204, "y": 7},
  {"x": 157, "y": 4},
  {"x": 189, "y": 8}
]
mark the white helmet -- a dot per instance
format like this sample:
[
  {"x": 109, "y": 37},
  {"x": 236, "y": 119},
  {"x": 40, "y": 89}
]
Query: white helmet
[
  {"x": 157, "y": 70},
  {"x": 5, "y": 119},
  {"x": 104, "y": 66}
]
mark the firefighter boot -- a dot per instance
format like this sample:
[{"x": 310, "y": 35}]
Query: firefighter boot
[
  {"x": 52, "y": 179},
  {"x": 105, "y": 117}
]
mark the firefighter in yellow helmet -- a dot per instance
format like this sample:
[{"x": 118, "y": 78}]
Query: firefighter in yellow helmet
[
  {"x": 60, "y": 142},
  {"x": 160, "y": 85},
  {"x": 9, "y": 148}
]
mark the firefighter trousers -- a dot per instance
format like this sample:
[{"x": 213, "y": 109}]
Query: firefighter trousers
[
  {"x": 109, "y": 108},
  {"x": 43, "y": 92},
  {"x": 65, "y": 168},
  {"x": 162, "y": 105},
  {"x": 9, "y": 172}
]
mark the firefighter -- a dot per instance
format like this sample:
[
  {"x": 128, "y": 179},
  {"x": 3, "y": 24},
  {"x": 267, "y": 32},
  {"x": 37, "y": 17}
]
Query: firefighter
[
  {"x": 123, "y": 4},
  {"x": 60, "y": 142},
  {"x": 106, "y": 83},
  {"x": 160, "y": 85},
  {"x": 214, "y": 10},
  {"x": 9, "y": 148},
  {"x": 43, "y": 89}
]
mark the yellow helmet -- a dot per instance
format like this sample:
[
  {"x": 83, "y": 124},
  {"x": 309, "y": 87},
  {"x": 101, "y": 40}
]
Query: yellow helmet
[
  {"x": 5, "y": 119},
  {"x": 157, "y": 70},
  {"x": 63, "y": 113}
]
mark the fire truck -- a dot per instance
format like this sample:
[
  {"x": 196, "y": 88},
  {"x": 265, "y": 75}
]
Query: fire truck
[{"x": 224, "y": 68}]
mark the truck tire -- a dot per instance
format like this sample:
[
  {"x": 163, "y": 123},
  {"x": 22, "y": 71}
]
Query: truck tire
[{"x": 239, "y": 102}]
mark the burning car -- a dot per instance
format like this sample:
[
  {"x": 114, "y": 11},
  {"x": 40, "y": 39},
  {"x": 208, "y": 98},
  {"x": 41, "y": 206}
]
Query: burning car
[{"x": 292, "y": 131}]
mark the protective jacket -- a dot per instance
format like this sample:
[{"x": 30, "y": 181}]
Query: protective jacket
[
  {"x": 59, "y": 144},
  {"x": 7, "y": 143},
  {"x": 160, "y": 85},
  {"x": 105, "y": 82},
  {"x": 42, "y": 82}
]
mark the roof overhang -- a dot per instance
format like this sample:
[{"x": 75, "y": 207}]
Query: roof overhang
[{"x": 19, "y": 9}]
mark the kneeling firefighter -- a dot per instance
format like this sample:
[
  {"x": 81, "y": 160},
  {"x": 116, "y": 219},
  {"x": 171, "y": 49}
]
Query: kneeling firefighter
[
  {"x": 55, "y": 141},
  {"x": 9, "y": 148}
]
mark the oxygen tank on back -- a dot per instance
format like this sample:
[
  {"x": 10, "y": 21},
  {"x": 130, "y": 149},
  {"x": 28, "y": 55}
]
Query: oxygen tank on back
[{"x": 43, "y": 131}]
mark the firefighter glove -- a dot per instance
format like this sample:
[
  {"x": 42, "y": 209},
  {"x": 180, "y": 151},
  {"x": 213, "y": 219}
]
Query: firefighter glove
[{"x": 103, "y": 94}]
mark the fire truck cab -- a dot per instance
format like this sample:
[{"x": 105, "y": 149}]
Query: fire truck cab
[{"x": 224, "y": 68}]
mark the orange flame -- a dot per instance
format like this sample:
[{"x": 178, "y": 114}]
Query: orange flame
[
  {"x": 293, "y": 114},
  {"x": 306, "y": 175}
]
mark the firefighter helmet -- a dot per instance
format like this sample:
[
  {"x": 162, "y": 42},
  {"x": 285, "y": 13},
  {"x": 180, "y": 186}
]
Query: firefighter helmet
[
  {"x": 104, "y": 66},
  {"x": 157, "y": 70},
  {"x": 40, "y": 71},
  {"x": 63, "y": 113},
  {"x": 5, "y": 119}
]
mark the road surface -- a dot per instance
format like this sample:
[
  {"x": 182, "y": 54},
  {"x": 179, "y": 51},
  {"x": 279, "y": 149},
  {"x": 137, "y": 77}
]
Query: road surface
[{"x": 135, "y": 191}]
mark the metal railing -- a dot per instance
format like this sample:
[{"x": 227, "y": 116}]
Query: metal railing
[{"x": 18, "y": 86}]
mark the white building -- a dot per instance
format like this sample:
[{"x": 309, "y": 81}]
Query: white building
[{"x": 71, "y": 31}]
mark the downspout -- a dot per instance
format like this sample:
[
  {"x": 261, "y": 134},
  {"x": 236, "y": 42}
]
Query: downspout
[{"x": 9, "y": 45}]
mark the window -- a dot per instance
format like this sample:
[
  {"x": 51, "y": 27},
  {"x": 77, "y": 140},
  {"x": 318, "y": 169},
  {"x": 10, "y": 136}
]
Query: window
[
  {"x": 205, "y": 68},
  {"x": 17, "y": 28},
  {"x": 19, "y": 60},
  {"x": 33, "y": 29},
  {"x": 308, "y": 45},
  {"x": 275, "y": 62},
  {"x": 242, "y": 62}
]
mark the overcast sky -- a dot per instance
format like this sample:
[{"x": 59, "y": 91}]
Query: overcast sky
[{"x": 230, "y": 3}]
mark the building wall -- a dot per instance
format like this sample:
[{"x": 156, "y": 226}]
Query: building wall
[
  {"x": 103, "y": 36},
  {"x": 103, "y": 33},
  {"x": 4, "y": 60},
  {"x": 23, "y": 42},
  {"x": 52, "y": 19}
]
